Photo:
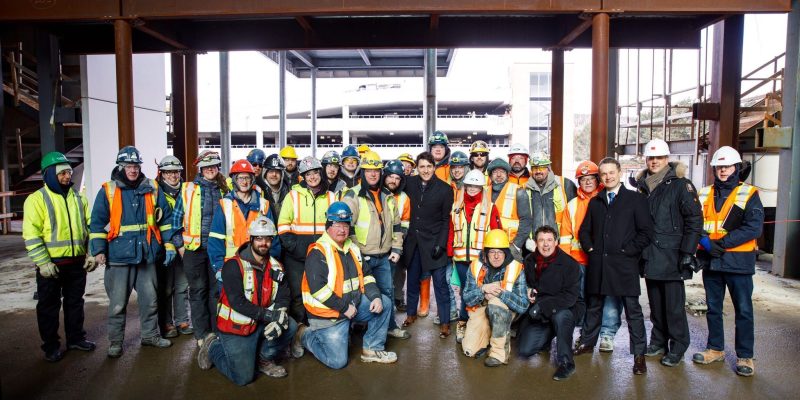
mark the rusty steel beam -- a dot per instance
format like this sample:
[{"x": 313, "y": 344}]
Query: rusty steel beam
[
  {"x": 600, "y": 48},
  {"x": 574, "y": 33},
  {"x": 51, "y": 10},
  {"x": 557, "y": 111},
  {"x": 139, "y": 24},
  {"x": 123, "y": 50},
  {"x": 697, "y": 6},
  {"x": 178, "y": 109},
  {"x": 191, "y": 107}
]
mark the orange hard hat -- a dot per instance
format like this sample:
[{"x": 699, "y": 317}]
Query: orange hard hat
[{"x": 586, "y": 168}]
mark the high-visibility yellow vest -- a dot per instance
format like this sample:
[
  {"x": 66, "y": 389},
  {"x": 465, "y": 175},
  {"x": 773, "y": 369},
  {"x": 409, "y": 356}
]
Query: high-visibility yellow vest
[
  {"x": 468, "y": 237},
  {"x": 304, "y": 214},
  {"x": 55, "y": 227},
  {"x": 478, "y": 270},
  {"x": 191, "y": 196},
  {"x": 230, "y": 320},
  {"x": 236, "y": 226},
  {"x": 506, "y": 204},
  {"x": 713, "y": 220},
  {"x": 365, "y": 217}
]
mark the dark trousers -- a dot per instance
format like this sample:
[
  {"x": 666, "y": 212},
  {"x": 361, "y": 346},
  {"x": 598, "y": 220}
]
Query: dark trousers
[
  {"x": 294, "y": 270},
  {"x": 740, "y": 287},
  {"x": 399, "y": 282},
  {"x": 670, "y": 327},
  {"x": 633, "y": 314},
  {"x": 440, "y": 288},
  {"x": 69, "y": 285},
  {"x": 462, "y": 268},
  {"x": 535, "y": 336},
  {"x": 203, "y": 291}
]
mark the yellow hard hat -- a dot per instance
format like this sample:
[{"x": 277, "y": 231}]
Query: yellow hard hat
[
  {"x": 407, "y": 158},
  {"x": 496, "y": 239},
  {"x": 371, "y": 160},
  {"x": 478, "y": 146},
  {"x": 363, "y": 149},
  {"x": 288, "y": 152}
]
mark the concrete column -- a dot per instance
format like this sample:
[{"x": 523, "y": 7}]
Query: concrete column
[
  {"x": 48, "y": 68},
  {"x": 429, "y": 109},
  {"x": 123, "y": 50},
  {"x": 557, "y": 110},
  {"x": 313, "y": 112},
  {"x": 600, "y": 40},
  {"x": 345, "y": 125},
  {"x": 191, "y": 108},
  {"x": 225, "y": 113},
  {"x": 282, "y": 137},
  {"x": 787, "y": 234}
]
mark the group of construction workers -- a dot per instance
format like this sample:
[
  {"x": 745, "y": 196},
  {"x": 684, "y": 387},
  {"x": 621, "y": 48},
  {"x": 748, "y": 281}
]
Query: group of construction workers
[{"x": 288, "y": 255}]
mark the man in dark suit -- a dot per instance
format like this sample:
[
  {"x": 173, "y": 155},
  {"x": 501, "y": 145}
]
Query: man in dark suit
[
  {"x": 616, "y": 229},
  {"x": 425, "y": 247}
]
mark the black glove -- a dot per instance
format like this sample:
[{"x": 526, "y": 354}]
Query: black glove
[
  {"x": 437, "y": 251},
  {"x": 535, "y": 312},
  {"x": 716, "y": 249},
  {"x": 689, "y": 263},
  {"x": 280, "y": 317}
]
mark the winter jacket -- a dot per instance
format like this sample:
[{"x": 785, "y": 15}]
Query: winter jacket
[
  {"x": 539, "y": 206},
  {"x": 233, "y": 284},
  {"x": 430, "y": 216},
  {"x": 384, "y": 234},
  {"x": 295, "y": 245},
  {"x": 558, "y": 288},
  {"x": 470, "y": 202},
  {"x": 210, "y": 194}
]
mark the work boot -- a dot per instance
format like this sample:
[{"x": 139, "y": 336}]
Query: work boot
[
  {"x": 461, "y": 330},
  {"x": 83, "y": 345},
  {"x": 424, "y": 298},
  {"x": 492, "y": 362},
  {"x": 582, "y": 349},
  {"x": 639, "y": 366},
  {"x": 708, "y": 356},
  {"x": 671, "y": 359},
  {"x": 606, "y": 344},
  {"x": 398, "y": 333},
  {"x": 409, "y": 321},
  {"x": 654, "y": 350},
  {"x": 185, "y": 329},
  {"x": 156, "y": 341},
  {"x": 203, "y": 360},
  {"x": 53, "y": 356},
  {"x": 115, "y": 350},
  {"x": 564, "y": 371},
  {"x": 745, "y": 367},
  {"x": 297, "y": 341},
  {"x": 378, "y": 356},
  {"x": 170, "y": 331},
  {"x": 400, "y": 305},
  {"x": 270, "y": 369}
]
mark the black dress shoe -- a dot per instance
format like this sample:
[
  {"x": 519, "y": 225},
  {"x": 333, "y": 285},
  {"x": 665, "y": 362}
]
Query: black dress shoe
[
  {"x": 564, "y": 371},
  {"x": 582, "y": 349},
  {"x": 53, "y": 356},
  {"x": 401, "y": 306},
  {"x": 639, "y": 366},
  {"x": 83, "y": 345},
  {"x": 654, "y": 350},
  {"x": 671, "y": 359}
]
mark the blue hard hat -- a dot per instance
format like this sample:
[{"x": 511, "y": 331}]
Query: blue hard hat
[
  {"x": 256, "y": 157},
  {"x": 351, "y": 151},
  {"x": 330, "y": 157},
  {"x": 459, "y": 158},
  {"x": 339, "y": 212},
  {"x": 394, "y": 167},
  {"x": 129, "y": 155}
]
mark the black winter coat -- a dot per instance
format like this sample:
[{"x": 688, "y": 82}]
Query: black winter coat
[
  {"x": 614, "y": 237},
  {"x": 430, "y": 219},
  {"x": 559, "y": 286},
  {"x": 677, "y": 224}
]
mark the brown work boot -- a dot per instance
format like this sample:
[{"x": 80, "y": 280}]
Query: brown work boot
[
  {"x": 708, "y": 356},
  {"x": 444, "y": 331},
  {"x": 409, "y": 321},
  {"x": 297, "y": 341},
  {"x": 270, "y": 369},
  {"x": 745, "y": 367},
  {"x": 639, "y": 365}
]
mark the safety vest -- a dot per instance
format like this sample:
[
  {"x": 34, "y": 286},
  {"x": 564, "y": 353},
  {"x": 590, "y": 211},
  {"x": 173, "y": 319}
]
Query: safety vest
[
  {"x": 713, "y": 220},
  {"x": 115, "y": 227},
  {"x": 337, "y": 283},
  {"x": 230, "y": 320},
  {"x": 404, "y": 210},
  {"x": 307, "y": 217},
  {"x": 468, "y": 236},
  {"x": 573, "y": 216},
  {"x": 443, "y": 172},
  {"x": 236, "y": 227},
  {"x": 191, "y": 196},
  {"x": 365, "y": 217},
  {"x": 60, "y": 231},
  {"x": 506, "y": 204},
  {"x": 513, "y": 269},
  {"x": 559, "y": 204}
]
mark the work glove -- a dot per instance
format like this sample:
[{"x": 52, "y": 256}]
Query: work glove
[
  {"x": 437, "y": 251},
  {"x": 689, "y": 262},
  {"x": 273, "y": 330},
  {"x": 716, "y": 249},
  {"x": 48, "y": 270},
  {"x": 281, "y": 317},
  {"x": 705, "y": 242},
  {"x": 535, "y": 312},
  {"x": 530, "y": 245},
  {"x": 90, "y": 264},
  {"x": 218, "y": 275},
  {"x": 170, "y": 257}
]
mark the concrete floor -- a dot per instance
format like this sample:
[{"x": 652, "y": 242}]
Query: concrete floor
[{"x": 428, "y": 367}]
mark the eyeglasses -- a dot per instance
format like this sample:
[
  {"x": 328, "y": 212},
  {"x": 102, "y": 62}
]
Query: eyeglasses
[
  {"x": 340, "y": 226},
  {"x": 244, "y": 178},
  {"x": 495, "y": 252},
  {"x": 539, "y": 169}
]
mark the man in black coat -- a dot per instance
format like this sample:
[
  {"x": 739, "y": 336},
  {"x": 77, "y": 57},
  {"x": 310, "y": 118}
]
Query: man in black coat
[
  {"x": 615, "y": 231},
  {"x": 554, "y": 285},
  {"x": 678, "y": 223},
  {"x": 425, "y": 246}
]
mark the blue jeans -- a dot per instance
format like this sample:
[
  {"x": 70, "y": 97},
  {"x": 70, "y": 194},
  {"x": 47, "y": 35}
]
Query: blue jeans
[
  {"x": 461, "y": 270},
  {"x": 383, "y": 272},
  {"x": 235, "y": 356},
  {"x": 740, "y": 287},
  {"x": 581, "y": 294},
  {"x": 612, "y": 316},
  {"x": 440, "y": 288},
  {"x": 329, "y": 344}
]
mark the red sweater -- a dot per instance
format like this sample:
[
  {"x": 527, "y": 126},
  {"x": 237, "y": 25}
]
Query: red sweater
[{"x": 470, "y": 202}]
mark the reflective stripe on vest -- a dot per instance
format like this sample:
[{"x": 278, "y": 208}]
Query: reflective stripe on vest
[
  {"x": 513, "y": 270},
  {"x": 115, "y": 227},
  {"x": 468, "y": 237},
  {"x": 191, "y": 196},
  {"x": 336, "y": 284},
  {"x": 402, "y": 202},
  {"x": 72, "y": 243},
  {"x": 230, "y": 320},
  {"x": 364, "y": 221},
  {"x": 236, "y": 227},
  {"x": 304, "y": 221},
  {"x": 506, "y": 204},
  {"x": 713, "y": 220}
]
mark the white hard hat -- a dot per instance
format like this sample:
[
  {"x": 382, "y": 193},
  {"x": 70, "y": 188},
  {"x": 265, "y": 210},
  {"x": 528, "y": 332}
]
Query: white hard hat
[
  {"x": 725, "y": 156},
  {"x": 262, "y": 226},
  {"x": 517, "y": 148},
  {"x": 475, "y": 177},
  {"x": 656, "y": 148}
]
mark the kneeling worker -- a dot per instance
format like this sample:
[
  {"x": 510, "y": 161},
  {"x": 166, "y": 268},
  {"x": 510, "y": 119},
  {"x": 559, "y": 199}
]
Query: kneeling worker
[
  {"x": 338, "y": 288},
  {"x": 495, "y": 294},
  {"x": 251, "y": 313}
]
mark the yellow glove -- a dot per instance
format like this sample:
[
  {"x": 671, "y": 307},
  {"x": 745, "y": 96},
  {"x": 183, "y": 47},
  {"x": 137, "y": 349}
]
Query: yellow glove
[{"x": 48, "y": 270}]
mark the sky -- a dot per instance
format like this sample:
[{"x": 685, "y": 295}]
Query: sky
[{"x": 254, "y": 78}]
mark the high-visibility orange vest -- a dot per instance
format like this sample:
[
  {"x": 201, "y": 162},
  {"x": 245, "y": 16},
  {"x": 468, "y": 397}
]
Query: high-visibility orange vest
[
  {"x": 236, "y": 227},
  {"x": 713, "y": 220},
  {"x": 337, "y": 284},
  {"x": 115, "y": 227},
  {"x": 468, "y": 237},
  {"x": 443, "y": 172},
  {"x": 228, "y": 319},
  {"x": 571, "y": 220},
  {"x": 478, "y": 270},
  {"x": 506, "y": 204}
]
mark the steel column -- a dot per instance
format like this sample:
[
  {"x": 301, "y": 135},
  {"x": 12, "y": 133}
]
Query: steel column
[
  {"x": 557, "y": 111},
  {"x": 178, "y": 109},
  {"x": 600, "y": 35},
  {"x": 282, "y": 136},
  {"x": 429, "y": 109},
  {"x": 123, "y": 50},
  {"x": 787, "y": 234},
  {"x": 225, "y": 113},
  {"x": 726, "y": 84},
  {"x": 313, "y": 112},
  {"x": 191, "y": 108},
  {"x": 48, "y": 72}
]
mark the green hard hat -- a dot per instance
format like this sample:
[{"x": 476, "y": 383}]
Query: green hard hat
[{"x": 53, "y": 158}]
